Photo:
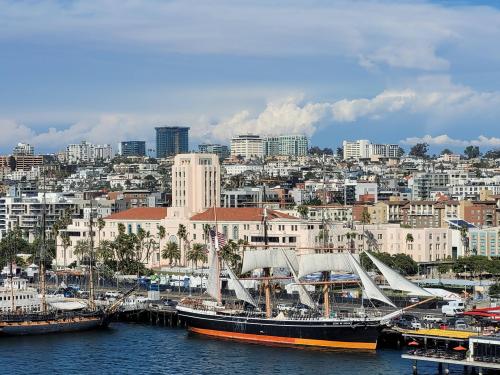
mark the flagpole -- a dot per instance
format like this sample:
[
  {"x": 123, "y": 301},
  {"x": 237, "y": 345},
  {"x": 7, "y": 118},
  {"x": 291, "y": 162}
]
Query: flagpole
[{"x": 216, "y": 253}]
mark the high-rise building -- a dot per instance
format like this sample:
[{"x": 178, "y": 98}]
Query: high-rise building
[
  {"x": 294, "y": 145},
  {"x": 86, "y": 152},
  {"x": 23, "y": 149},
  {"x": 132, "y": 148},
  {"x": 195, "y": 183},
  {"x": 171, "y": 140},
  {"x": 248, "y": 146},
  {"x": 222, "y": 151}
]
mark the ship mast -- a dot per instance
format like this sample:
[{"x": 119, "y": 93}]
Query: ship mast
[
  {"x": 91, "y": 257},
  {"x": 326, "y": 274},
  {"x": 267, "y": 270},
  {"x": 43, "y": 285},
  {"x": 216, "y": 254}
]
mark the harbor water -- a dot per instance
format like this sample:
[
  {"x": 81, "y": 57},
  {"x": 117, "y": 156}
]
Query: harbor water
[{"x": 142, "y": 349}]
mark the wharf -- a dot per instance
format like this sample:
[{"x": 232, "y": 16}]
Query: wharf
[
  {"x": 163, "y": 316},
  {"x": 453, "y": 347}
]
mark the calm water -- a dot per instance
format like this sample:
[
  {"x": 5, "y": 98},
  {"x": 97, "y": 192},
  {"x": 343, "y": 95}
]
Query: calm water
[{"x": 140, "y": 349}]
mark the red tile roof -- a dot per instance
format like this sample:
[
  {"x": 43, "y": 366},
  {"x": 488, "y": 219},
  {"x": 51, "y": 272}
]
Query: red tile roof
[
  {"x": 239, "y": 214},
  {"x": 140, "y": 213}
]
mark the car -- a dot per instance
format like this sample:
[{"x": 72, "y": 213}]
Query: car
[
  {"x": 415, "y": 324},
  {"x": 443, "y": 326},
  {"x": 429, "y": 318},
  {"x": 414, "y": 300},
  {"x": 460, "y": 324}
]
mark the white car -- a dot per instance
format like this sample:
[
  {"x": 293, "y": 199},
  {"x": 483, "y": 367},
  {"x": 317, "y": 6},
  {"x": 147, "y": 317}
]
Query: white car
[
  {"x": 432, "y": 318},
  {"x": 415, "y": 324}
]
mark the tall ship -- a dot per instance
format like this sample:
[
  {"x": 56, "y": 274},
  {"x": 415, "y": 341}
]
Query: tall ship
[
  {"x": 24, "y": 311},
  {"x": 311, "y": 324}
]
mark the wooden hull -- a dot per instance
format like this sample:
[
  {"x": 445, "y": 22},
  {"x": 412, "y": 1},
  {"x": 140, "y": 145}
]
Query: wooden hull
[
  {"x": 55, "y": 325},
  {"x": 359, "y": 334}
]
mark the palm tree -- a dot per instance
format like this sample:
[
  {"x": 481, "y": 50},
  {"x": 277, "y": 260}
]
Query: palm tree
[
  {"x": 82, "y": 249},
  {"x": 65, "y": 242},
  {"x": 171, "y": 252},
  {"x": 365, "y": 216},
  {"x": 161, "y": 235},
  {"x": 182, "y": 234},
  {"x": 229, "y": 252},
  {"x": 197, "y": 254},
  {"x": 100, "y": 226},
  {"x": 303, "y": 211}
]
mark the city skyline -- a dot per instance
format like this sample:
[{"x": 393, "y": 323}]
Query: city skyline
[{"x": 76, "y": 71}]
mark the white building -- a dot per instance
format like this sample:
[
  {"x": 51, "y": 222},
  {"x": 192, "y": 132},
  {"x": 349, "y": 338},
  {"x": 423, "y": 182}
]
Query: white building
[
  {"x": 248, "y": 146},
  {"x": 86, "y": 152},
  {"x": 364, "y": 149},
  {"x": 23, "y": 149}
]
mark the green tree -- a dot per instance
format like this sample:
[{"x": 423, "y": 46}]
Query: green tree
[
  {"x": 303, "y": 211},
  {"x": 446, "y": 151},
  {"x": 182, "y": 234},
  {"x": 12, "y": 243},
  {"x": 65, "y": 243},
  {"x": 230, "y": 253},
  {"x": 365, "y": 216},
  {"x": 171, "y": 252},
  {"x": 409, "y": 237},
  {"x": 197, "y": 253},
  {"x": 419, "y": 150},
  {"x": 472, "y": 152}
]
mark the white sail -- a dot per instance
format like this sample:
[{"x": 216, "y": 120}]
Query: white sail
[
  {"x": 372, "y": 291},
  {"x": 311, "y": 263},
  {"x": 213, "y": 282},
  {"x": 268, "y": 258},
  {"x": 239, "y": 289},
  {"x": 305, "y": 298},
  {"x": 395, "y": 280}
]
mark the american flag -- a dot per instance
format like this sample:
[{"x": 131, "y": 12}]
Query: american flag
[{"x": 221, "y": 240}]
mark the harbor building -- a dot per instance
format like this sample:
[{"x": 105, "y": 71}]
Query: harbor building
[
  {"x": 132, "y": 148},
  {"x": 291, "y": 145},
  {"x": 247, "y": 146},
  {"x": 171, "y": 140}
]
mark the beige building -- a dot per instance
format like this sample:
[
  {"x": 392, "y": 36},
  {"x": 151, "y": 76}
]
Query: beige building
[
  {"x": 195, "y": 184},
  {"x": 248, "y": 146}
]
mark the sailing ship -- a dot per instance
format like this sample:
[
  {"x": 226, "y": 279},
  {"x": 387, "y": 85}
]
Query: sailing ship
[
  {"x": 318, "y": 327},
  {"x": 24, "y": 312}
]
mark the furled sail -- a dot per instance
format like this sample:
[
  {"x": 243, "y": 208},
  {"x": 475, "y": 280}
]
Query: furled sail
[
  {"x": 371, "y": 290},
  {"x": 305, "y": 298},
  {"x": 239, "y": 289},
  {"x": 268, "y": 258},
  {"x": 395, "y": 280},
  {"x": 213, "y": 282},
  {"x": 311, "y": 263}
]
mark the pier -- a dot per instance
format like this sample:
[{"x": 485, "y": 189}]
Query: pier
[
  {"x": 162, "y": 316},
  {"x": 471, "y": 350}
]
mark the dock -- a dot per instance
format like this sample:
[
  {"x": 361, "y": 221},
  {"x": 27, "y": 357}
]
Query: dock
[
  {"x": 163, "y": 316},
  {"x": 471, "y": 350}
]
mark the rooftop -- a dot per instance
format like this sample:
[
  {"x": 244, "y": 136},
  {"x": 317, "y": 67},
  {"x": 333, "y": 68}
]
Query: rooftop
[
  {"x": 140, "y": 213},
  {"x": 239, "y": 214}
]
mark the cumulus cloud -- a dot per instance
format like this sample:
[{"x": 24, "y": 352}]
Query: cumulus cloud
[
  {"x": 446, "y": 140},
  {"x": 388, "y": 33}
]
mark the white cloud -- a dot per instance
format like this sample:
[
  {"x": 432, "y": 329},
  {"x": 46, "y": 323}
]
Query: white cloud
[
  {"x": 445, "y": 140},
  {"x": 393, "y": 33}
]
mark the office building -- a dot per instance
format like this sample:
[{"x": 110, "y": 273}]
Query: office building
[
  {"x": 132, "y": 148},
  {"x": 23, "y": 149},
  {"x": 222, "y": 151},
  {"x": 171, "y": 140},
  {"x": 195, "y": 184},
  {"x": 292, "y": 145},
  {"x": 86, "y": 152},
  {"x": 247, "y": 146},
  {"x": 364, "y": 149}
]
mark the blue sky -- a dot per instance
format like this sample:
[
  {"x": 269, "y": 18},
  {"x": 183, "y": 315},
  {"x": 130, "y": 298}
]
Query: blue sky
[{"x": 389, "y": 71}]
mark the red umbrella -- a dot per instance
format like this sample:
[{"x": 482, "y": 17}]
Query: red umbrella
[
  {"x": 413, "y": 343},
  {"x": 459, "y": 347}
]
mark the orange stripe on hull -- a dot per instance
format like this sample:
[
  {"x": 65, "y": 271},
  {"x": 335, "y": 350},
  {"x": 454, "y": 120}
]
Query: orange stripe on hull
[{"x": 285, "y": 340}]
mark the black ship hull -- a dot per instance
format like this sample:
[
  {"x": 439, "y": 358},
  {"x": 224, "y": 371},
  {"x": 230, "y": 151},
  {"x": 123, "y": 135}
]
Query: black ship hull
[
  {"x": 52, "y": 324},
  {"x": 349, "y": 334}
]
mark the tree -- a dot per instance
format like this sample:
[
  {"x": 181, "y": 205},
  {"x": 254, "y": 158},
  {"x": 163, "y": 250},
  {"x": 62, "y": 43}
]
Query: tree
[
  {"x": 365, "y": 216},
  {"x": 12, "y": 243},
  {"x": 405, "y": 264},
  {"x": 303, "y": 210},
  {"x": 492, "y": 154},
  {"x": 401, "y": 151},
  {"x": 472, "y": 152},
  {"x": 100, "y": 226},
  {"x": 82, "y": 249},
  {"x": 197, "y": 253},
  {"x": 171, "y": 252},
  {"x": 446, "y": 151},
  {"x": 419, "y": 150},
  {"x": 495, "y": 290},
  {"x": 182, "y": 234},
  {"x": 409, "y": 237},
  {"x": 230, "y": 253},
  {"x": 65, "y": 243}
]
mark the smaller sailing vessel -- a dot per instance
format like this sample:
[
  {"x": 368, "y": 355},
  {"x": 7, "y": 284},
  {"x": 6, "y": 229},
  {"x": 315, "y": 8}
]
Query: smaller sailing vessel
[
  {"x": 250, "y": 322},
  {"x": 24, "y": 312}
]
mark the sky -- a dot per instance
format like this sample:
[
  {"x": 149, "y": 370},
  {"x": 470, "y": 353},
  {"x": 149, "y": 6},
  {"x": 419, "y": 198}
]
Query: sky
[{"x": 111, "y": 70}]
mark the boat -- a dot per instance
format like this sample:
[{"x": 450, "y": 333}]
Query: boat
[
  {"x": 24, "y": 312},
  {"x": 313, "y": 326}
]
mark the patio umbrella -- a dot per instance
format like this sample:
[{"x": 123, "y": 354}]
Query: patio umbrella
[
  {"x": 413, "y": 343},
  {"x": 459, "y": 348}
]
